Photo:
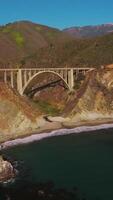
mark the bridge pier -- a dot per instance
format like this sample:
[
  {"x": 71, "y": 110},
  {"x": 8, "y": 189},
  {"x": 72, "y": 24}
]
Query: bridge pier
[
  {"x": 30, "y": 74},
  {"x": 19, "y": 81},
  {"x": 12, "y": 79},
  {"x": 25, "y": 77},
  {"x": 71, "y": 79},
  {"x": 65, "y": 76},
  {"x": 5, "y": 76}
]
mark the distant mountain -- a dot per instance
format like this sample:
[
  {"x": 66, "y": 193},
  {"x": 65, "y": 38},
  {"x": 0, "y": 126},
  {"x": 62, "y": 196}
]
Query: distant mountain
[{"x": 89, "y": 31}]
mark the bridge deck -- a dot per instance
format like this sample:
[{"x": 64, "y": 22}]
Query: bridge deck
[{"x": 44, "y": 69}]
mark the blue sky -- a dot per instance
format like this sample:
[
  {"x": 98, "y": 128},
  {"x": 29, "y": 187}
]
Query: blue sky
[{"x": 57, "y": 13}]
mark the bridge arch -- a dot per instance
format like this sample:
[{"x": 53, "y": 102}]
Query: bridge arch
[{"x": 26, "y": 85}]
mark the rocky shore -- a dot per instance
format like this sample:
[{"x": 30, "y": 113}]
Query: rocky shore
[{"x": 6, "y": 170}]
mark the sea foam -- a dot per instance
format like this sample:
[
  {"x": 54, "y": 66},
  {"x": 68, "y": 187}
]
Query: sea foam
[{"x": 36, "y": 137}]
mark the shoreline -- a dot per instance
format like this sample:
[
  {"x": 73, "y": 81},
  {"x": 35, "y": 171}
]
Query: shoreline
[{"x": 75, "y": 129}]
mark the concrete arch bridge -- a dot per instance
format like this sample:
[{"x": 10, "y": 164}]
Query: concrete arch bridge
[{"x": 21, "y": 78}]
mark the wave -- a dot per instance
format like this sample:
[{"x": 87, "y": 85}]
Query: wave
[{"x": 36, "y": 137}]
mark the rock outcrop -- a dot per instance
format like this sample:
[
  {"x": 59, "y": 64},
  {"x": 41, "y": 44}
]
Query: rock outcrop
[
  {"x": 94, "y": 101},
  {"x": 6, "y": 170}
]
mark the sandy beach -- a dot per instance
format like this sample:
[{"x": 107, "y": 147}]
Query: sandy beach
[{"x": 56, "y": 130}]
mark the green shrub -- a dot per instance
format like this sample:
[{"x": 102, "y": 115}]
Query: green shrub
[
  {"x": 38, "y": 28},
  {"x": 47, "y": 108},
  {"x": 18, "y": 37}
]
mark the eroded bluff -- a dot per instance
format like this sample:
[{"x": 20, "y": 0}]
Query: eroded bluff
[{"x": 94, "y": 100}]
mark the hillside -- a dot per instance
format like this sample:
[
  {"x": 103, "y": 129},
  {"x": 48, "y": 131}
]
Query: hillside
[
  {"x": 77, "y": 52},
  {"x": 89, "y": 31},
  {"x": 24, "y": 38},
  {"x": 33, "y": 45}
]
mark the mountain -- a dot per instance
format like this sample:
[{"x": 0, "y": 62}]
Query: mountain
[
  {"x": 89, "y": 31},
  {"x": 23, "y": 38},
  {"x": 28, "y": 44}
]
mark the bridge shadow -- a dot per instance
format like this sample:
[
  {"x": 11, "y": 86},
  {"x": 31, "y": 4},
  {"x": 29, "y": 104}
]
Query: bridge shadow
[{"x": 30, "y": 93}]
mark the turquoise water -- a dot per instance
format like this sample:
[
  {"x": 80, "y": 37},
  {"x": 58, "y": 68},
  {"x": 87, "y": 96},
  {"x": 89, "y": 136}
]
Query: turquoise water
[{"x": 83, "y": 160}]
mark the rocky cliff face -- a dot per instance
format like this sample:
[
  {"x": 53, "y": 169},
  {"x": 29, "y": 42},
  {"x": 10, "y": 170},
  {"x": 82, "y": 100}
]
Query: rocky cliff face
[
  {"x": 95, "y": 98},
  {"x": 16, "y": 114}
]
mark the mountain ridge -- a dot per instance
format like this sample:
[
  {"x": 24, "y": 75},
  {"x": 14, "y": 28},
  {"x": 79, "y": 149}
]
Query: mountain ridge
[{"x": 89, "y": 31}]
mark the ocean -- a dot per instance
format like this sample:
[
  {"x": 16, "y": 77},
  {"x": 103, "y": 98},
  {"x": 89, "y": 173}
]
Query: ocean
[{"x": 83, "y": 161}]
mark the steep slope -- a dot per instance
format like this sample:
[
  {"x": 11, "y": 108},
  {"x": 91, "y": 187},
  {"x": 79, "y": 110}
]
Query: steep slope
[
  {"x": 16, "y": 114},
  {"x": 95, "y": 99},
  {"x": 89, "y": 31}
]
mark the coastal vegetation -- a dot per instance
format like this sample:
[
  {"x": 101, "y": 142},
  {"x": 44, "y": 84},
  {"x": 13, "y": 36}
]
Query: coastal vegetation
[{"x": 47, "y": 108}]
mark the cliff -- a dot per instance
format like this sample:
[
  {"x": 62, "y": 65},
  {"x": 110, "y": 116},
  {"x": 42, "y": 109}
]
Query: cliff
[
  {"x": 94, "y": 100},
  {"x": 17, "y": 116}
]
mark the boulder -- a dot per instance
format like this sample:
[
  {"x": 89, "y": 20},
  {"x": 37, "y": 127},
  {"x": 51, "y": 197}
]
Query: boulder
[{"x": 6, "y": 170}]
